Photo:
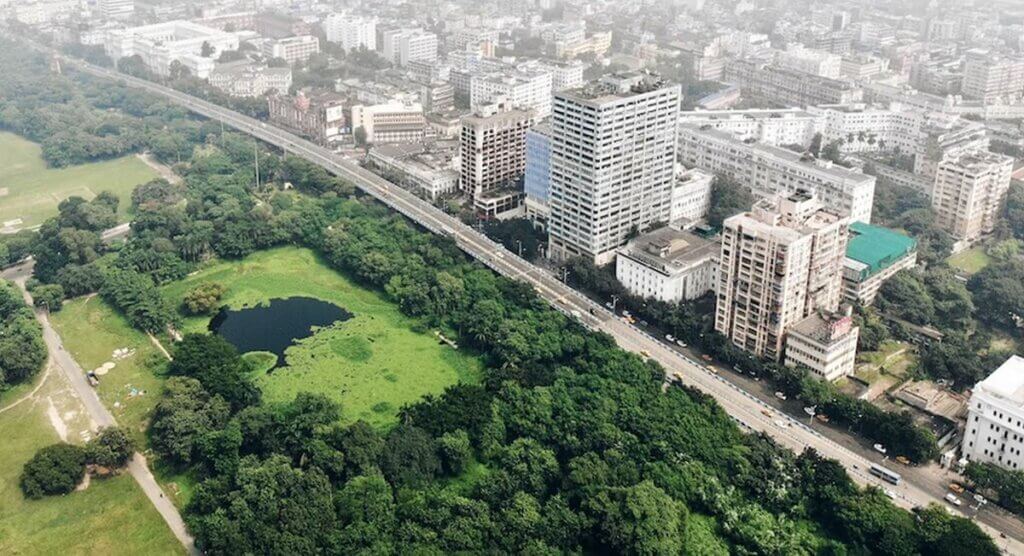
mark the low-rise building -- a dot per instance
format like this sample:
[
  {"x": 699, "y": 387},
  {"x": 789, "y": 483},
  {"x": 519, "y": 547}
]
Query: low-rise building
[
  {"x": 668, "y": 264},
  {"x": 786, "y": 126},
  {"x": 161, "y": 44},
  {"x": 995, "y": 418},
  {"x": 319, "y": 117},
  {"x": 789, "y": 87},
  {"x": 873, "y": 255},
  {"x": 429, "y": 168},
  {"x": 248, "y": 79},
  {"x": 391, "y": 122},
  {"x": 292, "y": 49},
  {"x": 825, "y": 343}
]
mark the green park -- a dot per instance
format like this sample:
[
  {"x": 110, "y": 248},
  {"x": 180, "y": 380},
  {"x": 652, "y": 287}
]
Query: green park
[{"x": 30, "y": 191}]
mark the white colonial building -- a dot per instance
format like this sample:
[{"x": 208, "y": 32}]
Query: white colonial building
[
  {"x": 995, "y": 418},
  {"x": 668, "y": 264}
]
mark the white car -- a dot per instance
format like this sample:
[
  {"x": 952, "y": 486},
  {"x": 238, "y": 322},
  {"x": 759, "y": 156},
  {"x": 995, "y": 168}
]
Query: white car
[
  {"x": 781, "y": 423},
  {"x": 952, "y": 499},
  {"x": 680, "y": 343},
  {"x": 670, "y": 337},
  {"x": 810, "y": 411},
  {"x": 880, "y": 449},
  {"x": 781, "y": 396},
  {"x": 889, "y": 493}
]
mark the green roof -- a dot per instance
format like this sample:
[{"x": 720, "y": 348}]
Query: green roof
[{"x": 877, "y": 247}]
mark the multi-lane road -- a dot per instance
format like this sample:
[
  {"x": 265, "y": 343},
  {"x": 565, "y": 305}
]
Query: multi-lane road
[{"x": 742, "y": 406}]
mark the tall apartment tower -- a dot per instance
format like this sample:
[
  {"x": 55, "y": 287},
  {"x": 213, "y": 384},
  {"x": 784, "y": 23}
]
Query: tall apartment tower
[
  {"x": 780, "y": 262},
  {"x": 988, "y": 77},
  {"x": 613, "y": 151},
  {"x": 968, "y": 191},
  {"x": 493, "y": 148},
  {"x": 352, "y": 32}
]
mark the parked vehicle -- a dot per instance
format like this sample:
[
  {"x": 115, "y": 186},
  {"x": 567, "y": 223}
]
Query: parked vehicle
[
  {"x": 706, "y": 357},
  {"x": 821, "y": 417},
  {"x": 889, "y": 493},
  {"x": 956, "y": 488},
  {"x": 670, "y": 337},
  {"x": 903, "y": 460},
  {"x": 810, "y": 410},
  {"x": 680, "y": 343},
  {"x": 880, "y": 449},
  {"x": 781, "y": 396}
]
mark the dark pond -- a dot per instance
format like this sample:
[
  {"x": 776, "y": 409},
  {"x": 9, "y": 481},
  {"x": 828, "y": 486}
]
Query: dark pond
[{"x": 275, "y": 326}]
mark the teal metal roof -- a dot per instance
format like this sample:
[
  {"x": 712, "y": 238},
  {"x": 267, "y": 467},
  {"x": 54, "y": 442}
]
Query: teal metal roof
[{"x": 877, "y": 247}]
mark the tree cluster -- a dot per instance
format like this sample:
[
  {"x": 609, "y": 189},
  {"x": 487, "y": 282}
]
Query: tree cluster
[
  {"x": 22, "y": 351},
  {"x": 59, "y": 468}
]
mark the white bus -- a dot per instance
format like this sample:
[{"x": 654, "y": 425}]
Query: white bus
[{"x": 885, "y": 474}]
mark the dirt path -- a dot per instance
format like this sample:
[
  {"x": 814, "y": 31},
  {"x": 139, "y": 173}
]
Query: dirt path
[
  {"x": 159, "y": 346},
  {"x": 30, "y": 395},
  {"x": 162, "y": 169}
]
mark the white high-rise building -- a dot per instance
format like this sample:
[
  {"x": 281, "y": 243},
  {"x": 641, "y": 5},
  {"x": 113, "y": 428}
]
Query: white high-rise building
[
  {"x": 613, "y": 156},
  {"x": 780, "y": 262},
  {"x": 769, "y": 170},
  {"x": 995, "y": 418},
  {"x": 401, "y": 46},
  {"x": 968, "y": 192},
  {"x": 352, "y": 32}
]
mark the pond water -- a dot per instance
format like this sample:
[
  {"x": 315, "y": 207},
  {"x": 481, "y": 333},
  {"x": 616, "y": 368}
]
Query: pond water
[{"x": 275, "y": 326}]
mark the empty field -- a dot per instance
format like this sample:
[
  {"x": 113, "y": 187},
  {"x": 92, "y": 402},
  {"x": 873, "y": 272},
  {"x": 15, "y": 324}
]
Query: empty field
[{"x": 30, "y": 192}]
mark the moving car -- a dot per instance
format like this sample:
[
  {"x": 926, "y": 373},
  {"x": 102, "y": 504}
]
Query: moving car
[{"x": 952, "y": 499}]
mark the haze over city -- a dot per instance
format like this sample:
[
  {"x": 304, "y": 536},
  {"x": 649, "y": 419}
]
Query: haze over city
[{"x": 531, "y": 276}]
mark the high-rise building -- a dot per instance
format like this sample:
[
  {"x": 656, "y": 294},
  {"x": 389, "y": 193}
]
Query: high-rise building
[
  {"x": 613, "y": 154},
  {"x": 352, "y": 32},
  {"x": 117, "y": 9},
  {"x": 969, "y": 188},
  {"x": 780, "y": 262},
  {"x": 989, "y": 77},
  {"x": 493, "y": 144},
  {"x": 537, "y": 180},
  {"x": 401, "y": 46}
]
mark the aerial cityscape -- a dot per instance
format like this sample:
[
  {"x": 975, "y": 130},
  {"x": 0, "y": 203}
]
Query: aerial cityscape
[{"x": 701, "y": 277}]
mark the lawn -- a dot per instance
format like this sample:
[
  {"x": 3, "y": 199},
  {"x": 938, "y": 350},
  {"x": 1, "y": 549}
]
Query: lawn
[
  {"x": 970, "y": 261},
  {"x": 372, "y": 364},
  {"x": 92, "y": 331},
  {"x": 110, "y": 517},
  {"x": 31, "y": 192}
]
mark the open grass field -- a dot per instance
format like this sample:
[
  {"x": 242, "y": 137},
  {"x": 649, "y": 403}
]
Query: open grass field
[
  {"x": 372, "y": 364},
  {"x": 31, "y": 192},
  {"x": 970, "y": 261},
  {"x": 110, "y": 517},
  {"x": 92, "y": 330}
]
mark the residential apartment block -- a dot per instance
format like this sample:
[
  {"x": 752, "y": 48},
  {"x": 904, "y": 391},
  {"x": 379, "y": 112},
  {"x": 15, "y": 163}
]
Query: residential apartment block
[
  {"x": 769, "y": 170},
  {"x": 526, "y": 89},
  {"x": 968, "y": 192},
  {"x": 780, "y": 262},
  {"x": 824, "y": 343},
  {"x": 613, "y": 156},
  {"x": 402, "y": 46},
  {"x": 691, "y": 195},
  {"x": 352, "y": 32},
  {"x": 493, "y": 144},
  {"x": 989, "y": 77}
]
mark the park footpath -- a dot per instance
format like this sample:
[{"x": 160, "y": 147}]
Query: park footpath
[{"x": 137, "y": 467}]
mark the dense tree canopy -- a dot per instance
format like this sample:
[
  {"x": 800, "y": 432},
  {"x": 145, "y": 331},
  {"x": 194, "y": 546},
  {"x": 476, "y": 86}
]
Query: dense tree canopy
[
  {"x": 55, "y": 469},
  {"x": 22, "y": 351}
]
